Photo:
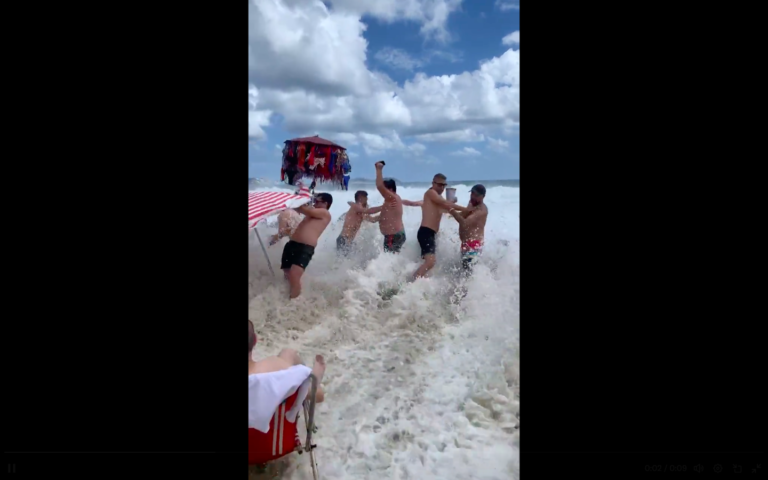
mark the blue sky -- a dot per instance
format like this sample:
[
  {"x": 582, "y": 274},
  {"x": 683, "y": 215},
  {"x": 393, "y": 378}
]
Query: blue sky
[{"x": 416, "y": 95}]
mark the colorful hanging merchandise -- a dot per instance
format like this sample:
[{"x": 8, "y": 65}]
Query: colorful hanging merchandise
[{"x": 314, "y": 158}]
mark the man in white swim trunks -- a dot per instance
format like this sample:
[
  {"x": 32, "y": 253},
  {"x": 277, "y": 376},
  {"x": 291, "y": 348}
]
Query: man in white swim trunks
[{"x": 284, "y": 360}]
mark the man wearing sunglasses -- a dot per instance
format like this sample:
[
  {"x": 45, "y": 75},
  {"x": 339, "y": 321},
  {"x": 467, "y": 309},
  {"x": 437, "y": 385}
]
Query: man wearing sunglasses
[
  {"x": 432, "y": 210},
  {"x": 299, "y": 251}
]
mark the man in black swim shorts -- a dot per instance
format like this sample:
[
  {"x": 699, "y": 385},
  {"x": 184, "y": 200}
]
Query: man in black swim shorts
[
  {"x": 427, "y": 241},
  {"x": 298, "y": 252},
  {"x": 432, "y": 209}
]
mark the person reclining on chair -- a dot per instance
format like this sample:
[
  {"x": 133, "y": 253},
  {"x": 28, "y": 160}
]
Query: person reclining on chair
[{"x": 286, "y": 359}]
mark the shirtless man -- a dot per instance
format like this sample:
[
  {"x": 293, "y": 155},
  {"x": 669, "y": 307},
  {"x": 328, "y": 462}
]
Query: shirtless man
[
  {"x": 284, "y": 360},
  {"x": 298, "y": 252},
  {"x": 391, "y": 218},
  {"x": 472, "y": 228},
  {"x": 432, "y": 210},
  {"x": 352, "y": 222}
]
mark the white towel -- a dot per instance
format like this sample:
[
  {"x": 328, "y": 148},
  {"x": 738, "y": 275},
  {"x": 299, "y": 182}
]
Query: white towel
[{"x": 266, "y": 391}]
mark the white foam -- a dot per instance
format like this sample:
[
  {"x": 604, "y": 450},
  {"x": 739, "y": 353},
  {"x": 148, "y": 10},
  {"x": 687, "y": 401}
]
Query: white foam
[{"x": 418, "y": 387}]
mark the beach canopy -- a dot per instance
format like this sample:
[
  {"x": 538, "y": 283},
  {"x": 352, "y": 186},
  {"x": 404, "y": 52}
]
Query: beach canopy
[
  {"x": 264, "y": 204},
  {"x": 316, "y": 140}
]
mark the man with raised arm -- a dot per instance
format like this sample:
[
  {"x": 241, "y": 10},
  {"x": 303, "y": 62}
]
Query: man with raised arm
[
  {"x": 298, "y": 252},
  {"x": 432, "y": 210},
  {"x": 391, "y": 218},
  {"x": 472, "y": 228}
]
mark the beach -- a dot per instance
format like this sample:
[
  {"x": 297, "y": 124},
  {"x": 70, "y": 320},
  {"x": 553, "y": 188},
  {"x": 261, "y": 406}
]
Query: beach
[{"x": 423, "y": 385}]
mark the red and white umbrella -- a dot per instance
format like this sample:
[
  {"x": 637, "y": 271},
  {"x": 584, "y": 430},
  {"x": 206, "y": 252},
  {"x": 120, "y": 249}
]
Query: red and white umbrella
[{"x": 264, "y": 204}]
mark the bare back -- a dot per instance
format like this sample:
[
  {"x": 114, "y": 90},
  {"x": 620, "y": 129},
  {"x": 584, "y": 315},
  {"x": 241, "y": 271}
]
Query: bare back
[
  {"x": 474, "y": 226},
  {"x": 391, "y": 218},
  {"x": 310, "y": 229},
  {"x": 431, "y": 213},
  {"x": 352, "y": 222}
]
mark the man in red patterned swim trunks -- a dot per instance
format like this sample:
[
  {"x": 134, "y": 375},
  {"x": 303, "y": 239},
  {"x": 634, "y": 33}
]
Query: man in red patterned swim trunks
[{"x": 472, "y": 227}]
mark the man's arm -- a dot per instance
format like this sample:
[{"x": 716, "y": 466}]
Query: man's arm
[
  {"x": 468, "y": 213},
  {"x": 357, "y": 208},
  {"x": 443, "y": 203},
  {"x": 459, "y": 217},
  {"x": 468, "y": 219},
  {"x": 317, "y": 213},
  {"x": 388, "y": 195},
  {"x": 410, "y": 203}
]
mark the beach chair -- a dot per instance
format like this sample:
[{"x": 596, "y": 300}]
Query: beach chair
[{"x": 283, "y": 437}]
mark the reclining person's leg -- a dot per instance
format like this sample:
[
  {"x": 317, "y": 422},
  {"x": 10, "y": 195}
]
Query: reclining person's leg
[{"x": 291, "y": 356}]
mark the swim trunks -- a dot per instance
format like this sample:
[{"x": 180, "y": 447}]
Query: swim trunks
[
  {"x": 426, "y": 238},
  {"x": 393, "y": 243},
  {"x": 343, "y": 245},
  {"x": 296, "y": 253},
  {"x": 470, "y": 251}
]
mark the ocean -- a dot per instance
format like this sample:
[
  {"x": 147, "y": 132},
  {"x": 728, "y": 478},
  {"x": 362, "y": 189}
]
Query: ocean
[{"x": 422, "y": 386}]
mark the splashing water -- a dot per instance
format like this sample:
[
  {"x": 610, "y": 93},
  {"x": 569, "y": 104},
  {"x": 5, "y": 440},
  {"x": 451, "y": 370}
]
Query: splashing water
[{"x": 423, "y": 385}]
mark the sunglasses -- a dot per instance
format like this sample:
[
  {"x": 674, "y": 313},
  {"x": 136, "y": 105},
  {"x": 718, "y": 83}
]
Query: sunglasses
[{"x": 441, "y": 184}]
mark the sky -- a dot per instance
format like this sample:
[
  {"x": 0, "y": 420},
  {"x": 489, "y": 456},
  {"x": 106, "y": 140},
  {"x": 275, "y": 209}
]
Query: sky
[{"x": 427, "y": 85}]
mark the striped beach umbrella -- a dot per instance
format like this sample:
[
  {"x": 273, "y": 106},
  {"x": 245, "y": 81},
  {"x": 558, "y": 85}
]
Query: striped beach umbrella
[{"x": 265, "y": 204}]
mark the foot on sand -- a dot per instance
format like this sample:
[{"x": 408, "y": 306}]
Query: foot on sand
[{"x": 318, "y": 369}]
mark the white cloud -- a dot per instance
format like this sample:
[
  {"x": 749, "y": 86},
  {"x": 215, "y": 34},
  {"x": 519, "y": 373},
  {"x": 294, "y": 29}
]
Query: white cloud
[
  {"x": 345, "y": 139},
  {"x": 452, "y": 56},
  {"x": 513, "y": 39},
  {"x": 297, "y": 45},
  {"x": 431, "y": 14},
  {"x": 397, "y": 58},
  {"x": 308, "y": 64},
  {"x": 505, "y": 5},
  {"x": 256, "y": 118},
  {"x": 498, "y": 145},
  {"x": 466, "y": 135},
  {"x": 466, "y": 151}
]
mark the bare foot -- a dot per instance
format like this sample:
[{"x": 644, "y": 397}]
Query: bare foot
[{"x": 318, "y": 369}]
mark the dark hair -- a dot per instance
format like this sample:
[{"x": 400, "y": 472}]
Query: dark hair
[
  {"x": 325, "y": 197},
  {"x": 251, "y": 337},
  {"x": 440, "y": 176},
  {"x": 360, "y": 193},
  {"x": 390, "y": 184}
]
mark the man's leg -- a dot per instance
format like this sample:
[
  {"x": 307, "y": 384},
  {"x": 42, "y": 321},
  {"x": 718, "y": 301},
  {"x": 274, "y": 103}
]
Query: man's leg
[
  {"x": 290, "y": 355},
  {"x": 294, "y": 277},
  {"x": 318, "y": 370},
  {"x": 429, "y": 262}
]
